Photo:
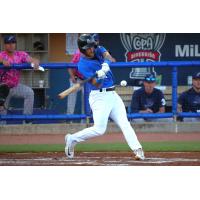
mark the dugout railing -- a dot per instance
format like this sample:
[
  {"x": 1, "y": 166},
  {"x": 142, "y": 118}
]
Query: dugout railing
[{"x": 174, "y": 65}]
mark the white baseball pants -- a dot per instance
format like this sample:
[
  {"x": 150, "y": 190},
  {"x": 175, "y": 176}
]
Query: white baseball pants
[{"x": 105, "y": 105}]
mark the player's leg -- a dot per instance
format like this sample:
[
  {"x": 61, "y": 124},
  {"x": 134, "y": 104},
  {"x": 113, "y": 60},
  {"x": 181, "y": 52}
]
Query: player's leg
[
  {"x": 119, "y": 116},
  {"x": 71, "y": 100},
  {"x": 101, "y": 111},
  {"x": 25, "y": 92},
  {"x": 4, "y": 109}
]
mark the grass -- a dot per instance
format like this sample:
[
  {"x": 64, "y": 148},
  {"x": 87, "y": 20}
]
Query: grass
[{"x": 148, "y": 146}]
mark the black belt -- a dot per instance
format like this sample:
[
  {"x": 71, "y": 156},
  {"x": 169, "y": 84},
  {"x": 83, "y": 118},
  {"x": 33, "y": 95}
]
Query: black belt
[{"x": 107, "y": 89}]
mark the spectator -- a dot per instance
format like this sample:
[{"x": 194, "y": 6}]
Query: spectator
[
  {"x": 148, "y": 99},
  {"x": 189, "y": 101},
  {"x": 11, "y": 77},
  {"x": 74, "y": 78}
]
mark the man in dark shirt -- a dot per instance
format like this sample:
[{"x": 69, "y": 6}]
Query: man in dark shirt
[
  {"x": 189, "y": 101},
  {"x": 148, "y": 99}
]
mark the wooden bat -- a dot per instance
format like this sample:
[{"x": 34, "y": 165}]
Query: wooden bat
[{"x": 75, "y": 87}]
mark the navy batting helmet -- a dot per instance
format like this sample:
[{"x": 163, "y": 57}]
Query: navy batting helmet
[{"x": 85, "y": 41}]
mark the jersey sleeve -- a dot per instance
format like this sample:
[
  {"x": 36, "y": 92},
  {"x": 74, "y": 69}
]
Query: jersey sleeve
[
  {"x": 135, "y": 108},
  {"x": 25, "y": 58},
  {"x": 1, "y": 57},
  {"x": 162, "y": 101},
  {"x": 76, "y": 57},
  {"x": 102, "y": 49}
]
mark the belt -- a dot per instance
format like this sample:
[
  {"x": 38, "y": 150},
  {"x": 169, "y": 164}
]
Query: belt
[{"x": 107, "y": 89}]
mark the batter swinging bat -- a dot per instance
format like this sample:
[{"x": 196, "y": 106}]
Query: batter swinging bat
[{"x": 75, "y": 87}]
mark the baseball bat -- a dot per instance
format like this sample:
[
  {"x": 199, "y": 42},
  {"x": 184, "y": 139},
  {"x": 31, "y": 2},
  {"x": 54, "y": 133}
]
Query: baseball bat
[{"x": 75, "y": 87}]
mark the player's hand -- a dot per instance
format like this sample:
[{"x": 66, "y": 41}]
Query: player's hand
[
  {"x": 146, "y": 111},
  {"x": 105, "y": 67},
  {"x": 101, "y": 74},
  {"x": 35, "y": 63},
  {"x": 149, "y": 110},
  {"x": 6, "y": 63}
]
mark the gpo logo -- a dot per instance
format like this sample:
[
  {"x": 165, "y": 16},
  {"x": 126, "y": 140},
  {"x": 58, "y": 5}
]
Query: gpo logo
[{"x": 142, "y": 47}]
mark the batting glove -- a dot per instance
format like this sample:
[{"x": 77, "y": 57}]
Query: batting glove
[
  {"x": 105, "y": 67},
  {"x": 101, "y": 74}
]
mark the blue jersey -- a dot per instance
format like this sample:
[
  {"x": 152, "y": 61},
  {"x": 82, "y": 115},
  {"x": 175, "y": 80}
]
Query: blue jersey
[
  {"x": 190, "y": 101},
  {"x": 88, "y": 67},
  {"x": 141, "y": 100}
]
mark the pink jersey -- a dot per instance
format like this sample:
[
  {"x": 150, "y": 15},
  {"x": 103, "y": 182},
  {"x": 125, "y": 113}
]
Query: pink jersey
[
  {"x": 75, "y": 59},
  {"x": 11, "y": 77}
]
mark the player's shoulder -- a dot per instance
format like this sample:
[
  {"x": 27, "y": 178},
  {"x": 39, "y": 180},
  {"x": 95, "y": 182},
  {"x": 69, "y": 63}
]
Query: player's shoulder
[
  {"x": 157, "y": 91},
  {"x": 21, "y": 53},
  {"x": 139, "y": 91},
  {"x": 100, "y": 49},
  {"x": 188, "y": 92},
  {"x": 3, "y": 53},
  {"x": 83, "y": 63}
]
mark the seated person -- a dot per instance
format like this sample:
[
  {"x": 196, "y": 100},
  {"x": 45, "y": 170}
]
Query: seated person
[
  {"x": 148, "y": 99},
  {"x": 189, "y": 101}
]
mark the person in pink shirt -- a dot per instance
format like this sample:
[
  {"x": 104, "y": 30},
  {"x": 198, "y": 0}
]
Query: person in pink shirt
[
  {"x": 75, "y": 77},
  {"x": 11, "y": 77}
]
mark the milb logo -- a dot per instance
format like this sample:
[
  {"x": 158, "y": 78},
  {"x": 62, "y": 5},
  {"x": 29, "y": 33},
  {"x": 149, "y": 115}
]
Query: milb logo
[{"x": 188, "y": 50}]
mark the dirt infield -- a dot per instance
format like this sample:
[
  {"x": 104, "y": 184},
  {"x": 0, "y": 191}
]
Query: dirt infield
[{"x": 100, "y": 159}]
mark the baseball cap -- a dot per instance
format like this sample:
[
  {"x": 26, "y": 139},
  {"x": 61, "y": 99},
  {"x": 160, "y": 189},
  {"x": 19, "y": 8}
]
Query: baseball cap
[
  {"x": 9, "y": 39},
  {"x": 150, "y": 78},
  {"x": 196, "y": 76}
]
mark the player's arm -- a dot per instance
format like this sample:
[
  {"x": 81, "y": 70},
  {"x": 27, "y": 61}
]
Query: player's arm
[
  {"x": 96, "y": 83},
  {"x": 72, "y": 76},
  {"x": 161, "y": 110},
  {"x": 179, "y": 108},
  {"x": 35, "y": 62},
  {"x": 135, "y": 103},
  {"x": 181, "y": 100},
  {"x": 162, "y": 103},
  {"x": 107, "y": 56},
  {"x": 26, "y": 58},
  {"x": 4, "y": 62}
]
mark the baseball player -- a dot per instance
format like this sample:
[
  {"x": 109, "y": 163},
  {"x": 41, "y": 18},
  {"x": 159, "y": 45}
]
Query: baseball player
[
  {"x": 189, "y": 101},
  {"x": 103, "y": 99},
  {"x": 148, "y": 99},
  {"x": 76, "y": 76}
]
